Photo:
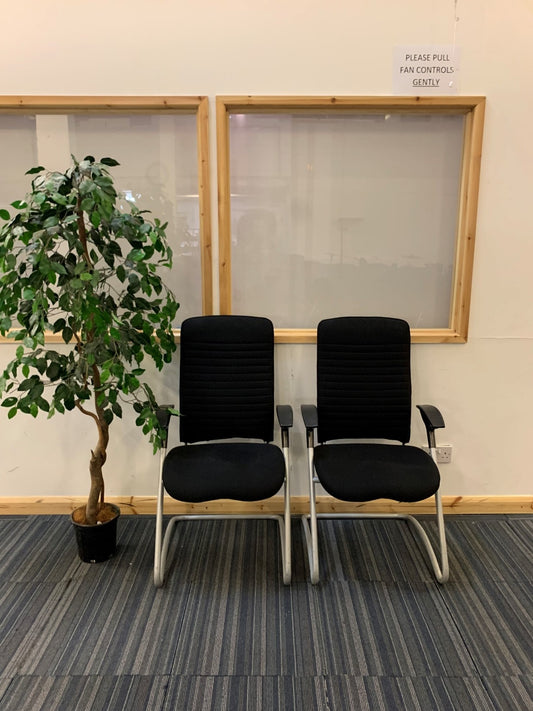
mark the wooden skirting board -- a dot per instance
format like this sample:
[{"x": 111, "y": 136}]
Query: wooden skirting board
[{"x": 147, "y": 505}]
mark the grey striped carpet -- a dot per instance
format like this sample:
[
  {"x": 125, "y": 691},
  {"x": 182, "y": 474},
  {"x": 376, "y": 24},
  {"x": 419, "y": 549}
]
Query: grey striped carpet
[{"x": 224, "y": 633}]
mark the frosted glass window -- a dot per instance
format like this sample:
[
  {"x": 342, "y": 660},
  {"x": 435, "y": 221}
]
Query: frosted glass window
[
  {"x": 158, "y": 154},
  {"x": 18, "y": 148},
  {"x": 347, "y": 205},
  {"x": 158, "y": 172},
  {"x": 345, "y": 214}
]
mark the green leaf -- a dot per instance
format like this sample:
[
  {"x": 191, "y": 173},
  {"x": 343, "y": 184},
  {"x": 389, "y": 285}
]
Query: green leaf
[
  {"x": 11, "y": 414},
  {"x": 109, "y": 161},
  {"x": 9, "y": 402},
  {"x": 117, "y": 409},
  {"x": 37, "y": 390},
  {"x": 58, "y": 325},
  {"x": 136, "y": 255},
  {"x": 4, "y": 214},
  {"x": 50, "y": 222},
  {"x": 32, "y": 171},
  {"x": 53, "y": 371},
  {"x": 42, "y": 404},
  {"x": 133, "y": 383},
  {"x": 67, "y": 334},
  {"x": 11, "y": 261},
  {"x": 40, "y": 364},
  {"x": 58, "y": 268},
  {"x": 19, "y": 204}
]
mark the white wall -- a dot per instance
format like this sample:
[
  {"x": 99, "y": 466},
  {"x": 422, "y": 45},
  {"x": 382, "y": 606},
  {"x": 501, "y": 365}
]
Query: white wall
[{"x": 484, "y": 387}]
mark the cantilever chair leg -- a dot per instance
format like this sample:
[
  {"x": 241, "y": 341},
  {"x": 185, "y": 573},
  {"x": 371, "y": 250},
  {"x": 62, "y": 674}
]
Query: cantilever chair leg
[
  {"x": 162, "y": 543},
  {"x": 285, "y": 529},
  {"x": 440, "y": 570},
  {"x": 309, "y": 522},
  {"x": 161, "y": 547}
]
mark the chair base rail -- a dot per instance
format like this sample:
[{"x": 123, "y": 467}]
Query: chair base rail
[
  {"x": 161, "y": 552},
  {"x": 162, "y": 544},
  {"x": 440, "y": 569}
]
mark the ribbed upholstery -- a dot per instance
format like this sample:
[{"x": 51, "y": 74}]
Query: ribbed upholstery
[
  {"x": 226, "y": 378},
  {"x": 364, "y": 379},
  {"x": 226, "y": 392}
]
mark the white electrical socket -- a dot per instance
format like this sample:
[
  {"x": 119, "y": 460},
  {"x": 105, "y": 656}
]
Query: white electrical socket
[{"x": 444, "y": 453}]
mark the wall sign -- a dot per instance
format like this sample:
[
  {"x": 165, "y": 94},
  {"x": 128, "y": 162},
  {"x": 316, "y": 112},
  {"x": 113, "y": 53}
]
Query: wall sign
[{"x": 426, "y": 69}]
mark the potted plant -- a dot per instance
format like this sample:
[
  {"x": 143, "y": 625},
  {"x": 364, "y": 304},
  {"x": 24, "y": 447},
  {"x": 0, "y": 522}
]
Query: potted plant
[{"x": 77, "y": 263}]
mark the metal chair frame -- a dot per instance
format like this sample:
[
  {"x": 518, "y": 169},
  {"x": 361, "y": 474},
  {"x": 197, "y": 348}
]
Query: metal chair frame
[
  {"x": 162, "y": 543},
  {"x": 309, "y": 521}
]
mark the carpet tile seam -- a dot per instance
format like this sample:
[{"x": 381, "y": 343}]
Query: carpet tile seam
[
  {"x": 492, "y": 630},
  {"x": 528, "y": 676}
]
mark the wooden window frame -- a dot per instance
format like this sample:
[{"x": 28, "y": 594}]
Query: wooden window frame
[
  {"x": 198, "y": 105},
  {"x": 472, "y": 107}
]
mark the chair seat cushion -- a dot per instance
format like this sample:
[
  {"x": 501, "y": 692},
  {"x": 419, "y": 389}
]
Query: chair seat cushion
[
  {"x": 363, "y": 472},
  {"x": 243, "y": 471}
]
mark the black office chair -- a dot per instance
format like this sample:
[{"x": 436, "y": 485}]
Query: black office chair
[
  {"x": 364, "y": 393},
  {"x": 226, "y": 399}
]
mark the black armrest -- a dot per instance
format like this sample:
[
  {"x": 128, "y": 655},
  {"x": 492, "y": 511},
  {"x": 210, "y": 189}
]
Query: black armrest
[
  {"x": 163, "y": 414},
  {"x": 285, "y": 420},
  {"x": 285, "y": 417},
  {"x": 310, "y": 416},
  {"x": 431, "y": 416},
  {"x": 433, "y": 420}
]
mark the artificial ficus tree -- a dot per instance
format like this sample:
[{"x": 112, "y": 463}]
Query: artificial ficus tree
[{"x": 78, "y": 263}]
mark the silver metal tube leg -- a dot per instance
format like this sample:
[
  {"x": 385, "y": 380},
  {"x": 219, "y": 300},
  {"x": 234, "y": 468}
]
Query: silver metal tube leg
[
  {"x": 286, "y": 543},
  {"x": 159, "y": 572},
  {"x": 310, "y": 526}
]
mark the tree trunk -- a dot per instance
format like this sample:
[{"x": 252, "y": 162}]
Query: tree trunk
[
  {"x": 96, "y": 493},
  {"x": 98, "y": 455}
]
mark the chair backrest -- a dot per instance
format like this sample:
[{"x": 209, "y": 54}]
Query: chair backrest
[
  {"x": 363, "y": 378},
  {"x": 226, "y": 378}
]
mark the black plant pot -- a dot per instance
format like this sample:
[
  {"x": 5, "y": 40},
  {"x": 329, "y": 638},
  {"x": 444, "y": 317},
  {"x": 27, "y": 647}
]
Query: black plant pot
[{"x": 97, "y": 543}]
